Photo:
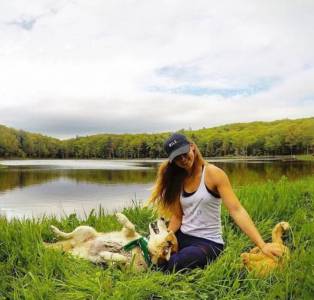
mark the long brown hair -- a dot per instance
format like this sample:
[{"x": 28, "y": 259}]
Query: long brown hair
[{"x": 169, "y": 184}]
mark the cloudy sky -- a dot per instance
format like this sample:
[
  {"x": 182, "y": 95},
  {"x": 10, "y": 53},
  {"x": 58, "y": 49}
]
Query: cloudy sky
[{"x": 80, "y": 67}]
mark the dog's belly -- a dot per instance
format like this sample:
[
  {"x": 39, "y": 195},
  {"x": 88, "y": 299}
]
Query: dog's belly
[
  {"x": 109, "y": 242},
  {"x": 115, "y": 237},
  {"x": 81, "y": 251}
]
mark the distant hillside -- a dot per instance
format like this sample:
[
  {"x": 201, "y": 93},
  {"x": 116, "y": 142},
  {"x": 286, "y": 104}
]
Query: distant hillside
[{"x": 255, "y": 138}]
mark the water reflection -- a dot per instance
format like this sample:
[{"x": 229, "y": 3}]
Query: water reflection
[
  {"x": 23, "y": 177},
  {"x": 242, "y": 173},
  {"x": 64, "y": 196},
  {"x": 50, "y": 187}
]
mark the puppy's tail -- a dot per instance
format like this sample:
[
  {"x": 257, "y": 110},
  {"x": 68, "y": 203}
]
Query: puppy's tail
[{"x": 278, "y": 231}]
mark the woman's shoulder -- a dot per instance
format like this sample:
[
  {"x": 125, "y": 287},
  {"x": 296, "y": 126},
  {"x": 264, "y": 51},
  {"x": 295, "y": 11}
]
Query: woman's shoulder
[
  {"x": 211, "y": 168},
  {"x": 213, "y": 173}
]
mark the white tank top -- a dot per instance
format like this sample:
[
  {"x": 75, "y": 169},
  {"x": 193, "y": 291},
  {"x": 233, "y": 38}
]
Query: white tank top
[{"x": 201, "y": 214}]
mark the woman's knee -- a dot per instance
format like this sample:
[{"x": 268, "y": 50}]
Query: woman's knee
[{"x": 187, "y": 258}]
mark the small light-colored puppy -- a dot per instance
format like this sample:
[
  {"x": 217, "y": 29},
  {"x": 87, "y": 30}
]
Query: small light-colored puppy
[
  {"x": 98, "y": 247},
  {"x": 262, "y": 265}
]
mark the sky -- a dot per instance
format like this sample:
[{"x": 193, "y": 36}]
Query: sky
[{"x": 79, "y": 67}]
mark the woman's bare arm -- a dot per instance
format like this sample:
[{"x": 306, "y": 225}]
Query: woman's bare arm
[
  {"x": 176, "y": 218},
  {"x": 239, "y": 214}
]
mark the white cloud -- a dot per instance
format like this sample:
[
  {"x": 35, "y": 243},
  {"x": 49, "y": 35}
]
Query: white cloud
[{"x": 78, "y": 67}]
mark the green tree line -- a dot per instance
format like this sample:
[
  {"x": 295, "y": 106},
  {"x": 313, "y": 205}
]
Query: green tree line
[{"x": 281, "y": 137}]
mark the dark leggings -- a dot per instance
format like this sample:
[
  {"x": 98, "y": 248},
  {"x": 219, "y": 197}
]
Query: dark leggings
[{"x": 193, "y": 252}]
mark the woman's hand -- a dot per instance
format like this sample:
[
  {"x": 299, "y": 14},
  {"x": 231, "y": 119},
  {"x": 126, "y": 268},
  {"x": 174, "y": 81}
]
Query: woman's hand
[{"x": 272, "y": 250}]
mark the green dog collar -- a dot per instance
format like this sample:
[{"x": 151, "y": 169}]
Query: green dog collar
[{"x": 142, "y": 243}]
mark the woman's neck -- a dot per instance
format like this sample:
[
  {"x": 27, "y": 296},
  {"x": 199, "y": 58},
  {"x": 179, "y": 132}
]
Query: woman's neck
[{"x": 195, "y": 169}]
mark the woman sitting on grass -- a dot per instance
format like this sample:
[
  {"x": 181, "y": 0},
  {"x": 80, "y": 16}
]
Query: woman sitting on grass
[{"x": 191, "y": 190}]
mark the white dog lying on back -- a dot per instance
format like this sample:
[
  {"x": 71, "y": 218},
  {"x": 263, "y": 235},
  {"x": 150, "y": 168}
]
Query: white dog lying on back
[{"x": 125, "y": 246}]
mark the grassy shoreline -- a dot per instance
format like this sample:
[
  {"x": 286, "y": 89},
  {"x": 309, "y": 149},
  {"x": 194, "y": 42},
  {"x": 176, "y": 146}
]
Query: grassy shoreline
[
  {"x": 305, "y": 157},
  {"x": 28, "y": 271}
]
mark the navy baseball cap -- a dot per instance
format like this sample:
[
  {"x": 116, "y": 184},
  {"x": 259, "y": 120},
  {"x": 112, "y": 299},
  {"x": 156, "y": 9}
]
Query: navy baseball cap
[{"x": 176, "y": 145}]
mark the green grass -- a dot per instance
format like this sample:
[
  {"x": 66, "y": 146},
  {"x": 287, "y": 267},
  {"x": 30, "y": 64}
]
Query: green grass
[
  {"x": 29, "y": 271},
  {"x": 307, "y": 157}
]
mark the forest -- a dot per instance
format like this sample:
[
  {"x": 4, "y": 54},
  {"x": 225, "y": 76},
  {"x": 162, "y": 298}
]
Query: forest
[{"x": 282, "y": 137}]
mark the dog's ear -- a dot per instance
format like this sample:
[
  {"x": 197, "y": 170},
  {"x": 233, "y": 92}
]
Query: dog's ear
[
  {"x": 285, "y": 225},
  {"x": 173, "y": 240}
]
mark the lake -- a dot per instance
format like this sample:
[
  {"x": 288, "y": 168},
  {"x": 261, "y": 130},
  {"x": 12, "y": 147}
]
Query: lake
[{"x": 60, "y": 187}]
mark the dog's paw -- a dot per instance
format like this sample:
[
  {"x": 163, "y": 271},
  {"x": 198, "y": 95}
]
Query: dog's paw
[
  {"x": 122, "y": 218},
  {"x": 125, "y": 222}
]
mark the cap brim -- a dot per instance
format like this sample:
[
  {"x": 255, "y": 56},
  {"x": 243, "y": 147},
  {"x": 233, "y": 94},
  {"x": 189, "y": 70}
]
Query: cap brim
[{"x": 182, "y": 150}]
